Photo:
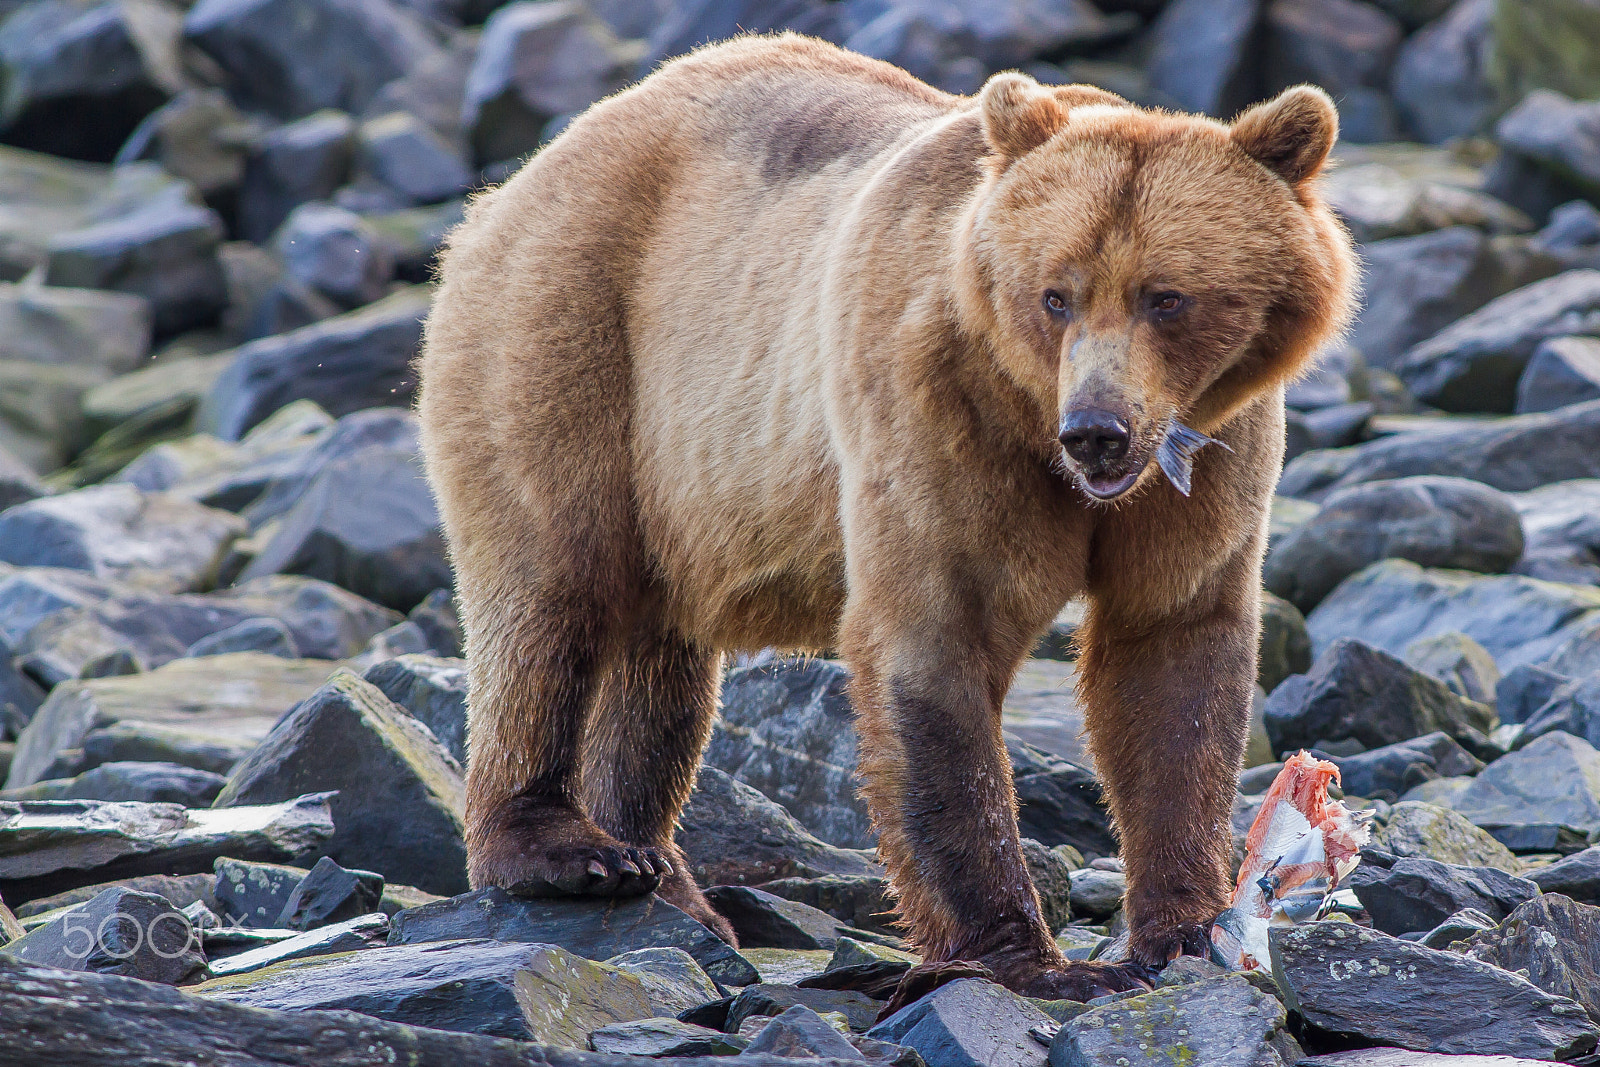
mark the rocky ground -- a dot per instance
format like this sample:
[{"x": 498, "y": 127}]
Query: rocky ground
[{"x": 231, "y": 708}]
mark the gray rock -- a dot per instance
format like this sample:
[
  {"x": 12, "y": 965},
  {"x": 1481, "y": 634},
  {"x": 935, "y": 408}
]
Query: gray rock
[
  {"x": 1524, "y": 691},
  {"x": 1553, "y": 943},
  {"x": 292, "y": 57},
  {"x": 367, "y": 523},
  {"x": 802, "y": 1033},
  {"x": 594, "y": 929},
  {"x": 763, "y": 920},
  {"x": 672, "y": 979},
  {"x": 1416, "y": 285},
  {"x": 196, "y": 136},
  {"x": 361, "y": 359},
  {"x": 538, "y": 61},
  {"x": 1474, "y": 364},
  {"x": 279, "y": 470},
  {"x": 1426, "y": 831},
  {"x": 733, "y": 835},
  {"x": 1385, "y": 198},
  {"x": 149, "y": 783},
  {"x": 74, "y": 327},
  {"x": 180, "y": 891},
  {"x": 968, "y": 1023},
  {"x": 463, "y": 986},
  {"x": 253, "y": 894},
  {"x": 1360, "y": 692},
  {"x": 770, "y": 999},
  {"x": 164, "y": 250},
  {"x": 150, "y": 743},
  {"x": 787, "y": 729},
  {"x": 1562, "y": 371},
  {"x": 116, "y": 532},
  {"x": 1561, "y": 527},
  {"x": 1393, "y": 604},
  {"x": 1576, "y": 876},
  {"x": 1059, "y": 803},
  {"x": 63, "y": 844},
  {"x": 1540, "y": 798},
  {"x": 1418, "y": 894},
  {"x": 1345, "y": 46},
  {"x": 352, "y": 935},
  {"x": 226, "y": 702},
  {"x": 1573, "y": 707},
  {"x": 433, "y": 691},
  {"x": 268, "y": 636},
  {"x": 1459, "y": 662},
  {"x": 436, "y": 617},
  {"x": 1393, "y": 1057},
  {"x": 1458, "y": 927},
  {"x": 296, "y": 163},
  {"x": 91, "y": 1019},
  {"x": 80, "y": 77},
  {"x": 1557, "y": 134},
  {"x": 1204, "y": 55},
  {"x": 1052, "y": 878},
  {"x": 1097, "y": 894},
  {"x": 400, "y": 802},
  {"x": 1514, "y": 454},
  {"x": 1390, "y": 770},
  {"x": 120, "y": 931},
  {"x": 1221, "y": 1020},
  {"x": 1285, "y": 642},
  {"x": 328, "y": 894},
  {"x": 1437, "y": 522},
  {"x": 404, "y": 154},
  {"x": 861, "y": 901},
  {"x": 664, "y": 1037},
  {"x": 1348, "y": 983},
  {"x": 1440, "y": 81},
  {"x": 334, "y": 252}
]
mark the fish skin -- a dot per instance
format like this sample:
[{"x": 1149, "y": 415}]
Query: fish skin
[{"x": 1176, "y": 455}]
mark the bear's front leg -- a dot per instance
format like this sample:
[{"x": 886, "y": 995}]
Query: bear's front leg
[
  {"x": 927, "y": 694},
  {"x": 1167, "y": 703}
]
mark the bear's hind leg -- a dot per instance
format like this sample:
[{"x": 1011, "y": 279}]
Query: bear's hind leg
[
  {"x": 649, "y": 725},
  {"x": 536, "y": 655}
]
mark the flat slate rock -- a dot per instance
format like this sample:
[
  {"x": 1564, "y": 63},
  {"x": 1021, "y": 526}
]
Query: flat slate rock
[
  {"x": 433, "y": 689},
  {"x": 594, "y": 929},
  {"x": 352, "y": 935},
  {"x": 672, "y": 979},
  {"x": 1385, "y": 772},
  {"x": 464, "y": 986},
  {"x": 50, "y": 846},
  {"x": 1576, "y": 876},
  {"x": 665, "y": 1037},
  {"x": 1222, "y": 1020},
  {"x": 564, "y": 997},
  {"x": 400, "y": 803},
  {"x": 1353, "y": 984},
  {"x": 1399, "y": 1057},
  {"x": 802, "y": 1033},
  {"x": 762, "y": 920},
  {"x": 229, "y": 702},
  {"x": 969, "y": 1023},
  {"x": 859, "y": 1010},
  {"x": 96, "y": 1020}
]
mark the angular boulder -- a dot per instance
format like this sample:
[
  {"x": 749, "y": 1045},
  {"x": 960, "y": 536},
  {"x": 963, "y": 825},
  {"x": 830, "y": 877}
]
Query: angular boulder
[
  {"x": 400, "y": 802},
  {"x": 1215, "y": 1020},
  {"x": 120, "y": 931},
  {"x": 1540, "y": 798},
  {"x": 969, "y": 1023},
  {"x": 1418, "y": 894}
]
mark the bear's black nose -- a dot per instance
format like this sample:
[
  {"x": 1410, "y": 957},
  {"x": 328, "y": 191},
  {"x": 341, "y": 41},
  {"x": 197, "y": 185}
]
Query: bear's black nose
[{"x": 1094, "y": 437}]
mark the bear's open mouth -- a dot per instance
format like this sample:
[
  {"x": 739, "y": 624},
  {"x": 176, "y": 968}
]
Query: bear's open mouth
[{"x": 1106, "y": 486}]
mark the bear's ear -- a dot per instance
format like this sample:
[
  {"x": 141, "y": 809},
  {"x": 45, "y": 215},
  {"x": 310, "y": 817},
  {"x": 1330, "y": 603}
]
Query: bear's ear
[
  {"x": 1291, "y": 134},
  {"x": 1019, "y": 114}
]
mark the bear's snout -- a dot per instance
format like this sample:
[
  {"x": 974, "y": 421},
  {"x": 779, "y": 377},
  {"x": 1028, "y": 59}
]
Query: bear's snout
[{"x": 1094, "y": 437}]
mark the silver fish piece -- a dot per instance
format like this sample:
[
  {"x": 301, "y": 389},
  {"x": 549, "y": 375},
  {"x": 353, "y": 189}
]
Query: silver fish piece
[{"x": 1177, "y": 451}]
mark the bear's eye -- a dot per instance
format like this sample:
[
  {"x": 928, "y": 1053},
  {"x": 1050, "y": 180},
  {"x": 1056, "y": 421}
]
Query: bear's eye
[
  {"x": 1055, "y": 303},
  {"x": 1165, "y": 305}
]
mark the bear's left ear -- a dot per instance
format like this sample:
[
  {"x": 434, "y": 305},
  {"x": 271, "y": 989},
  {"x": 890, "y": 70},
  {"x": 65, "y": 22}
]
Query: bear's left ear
[
  {"x": 1291, "y": 134},
  {"x": 1019, "y": 114}
]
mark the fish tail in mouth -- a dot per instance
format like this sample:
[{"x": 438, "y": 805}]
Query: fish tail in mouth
[{"x": 1177, "y": 452}]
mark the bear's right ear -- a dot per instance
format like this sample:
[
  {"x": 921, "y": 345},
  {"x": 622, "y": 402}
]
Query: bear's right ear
[
  {"x": 1291, "y": 134},
  {"x": 1019, "y": 114}
]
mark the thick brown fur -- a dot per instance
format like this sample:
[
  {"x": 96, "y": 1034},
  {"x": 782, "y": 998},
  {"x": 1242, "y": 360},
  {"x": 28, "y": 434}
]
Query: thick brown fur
[{"x": 756, "y": 354}]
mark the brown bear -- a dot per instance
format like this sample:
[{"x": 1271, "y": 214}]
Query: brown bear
[{"x": 783, "y": 347}]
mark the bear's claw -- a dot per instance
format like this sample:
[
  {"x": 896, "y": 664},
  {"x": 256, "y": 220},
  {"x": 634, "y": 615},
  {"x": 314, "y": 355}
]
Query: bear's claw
[{"x": 587, "y": 871}]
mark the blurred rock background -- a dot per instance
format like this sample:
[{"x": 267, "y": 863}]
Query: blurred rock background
[{"x": 217, "y": 229}]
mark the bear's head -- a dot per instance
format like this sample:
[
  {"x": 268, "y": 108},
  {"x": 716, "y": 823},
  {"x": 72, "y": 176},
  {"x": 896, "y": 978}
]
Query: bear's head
[{"x": 1139, "y": 272}]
